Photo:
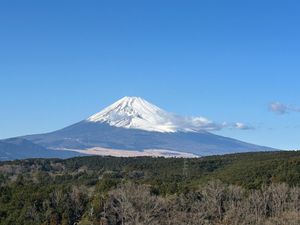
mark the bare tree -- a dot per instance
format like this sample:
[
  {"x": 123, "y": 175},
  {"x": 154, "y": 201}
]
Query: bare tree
[
  {"x": 133, "y": 205},
  {"x": 212, "y": 204},
  {"x": 214, "y": 194}
]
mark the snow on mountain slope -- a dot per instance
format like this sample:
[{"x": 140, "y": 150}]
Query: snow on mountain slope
[{"x": 137, "y": 113}]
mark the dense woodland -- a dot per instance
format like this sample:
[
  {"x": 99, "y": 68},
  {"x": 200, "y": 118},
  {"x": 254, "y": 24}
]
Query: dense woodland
[{"x": 248, "y": 188}]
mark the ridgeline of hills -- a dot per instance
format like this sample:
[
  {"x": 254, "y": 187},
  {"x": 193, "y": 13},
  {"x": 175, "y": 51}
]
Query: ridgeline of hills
[
  {"x": 226, "y": 189},
  {"x": 18, "y": 148}
]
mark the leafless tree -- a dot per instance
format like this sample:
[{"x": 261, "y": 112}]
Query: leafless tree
[
  {"x": 134, "y": 205},
  {"x": 212, "y": 204}
]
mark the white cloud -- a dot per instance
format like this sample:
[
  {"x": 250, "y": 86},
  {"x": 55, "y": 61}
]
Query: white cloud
[
  {"x": 194, "y": 123},
  {"x": 205, "y": 124},
  {"x": 202, "y": 123},
  {"x": 242, "y": 126},
  {"x": 280, "y": 108}
]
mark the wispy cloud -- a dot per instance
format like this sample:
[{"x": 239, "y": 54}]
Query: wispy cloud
[
  {"x": 205, "y": 124},
  {"x": 281, "y": 109},
  {"x": 242, "y": 126},
  {"x": 196, "y": 123}
]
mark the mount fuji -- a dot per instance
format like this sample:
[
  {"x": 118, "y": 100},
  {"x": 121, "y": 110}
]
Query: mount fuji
[
  {"x": 134, "y": 127},
  {"x": 137, "y": 113}
]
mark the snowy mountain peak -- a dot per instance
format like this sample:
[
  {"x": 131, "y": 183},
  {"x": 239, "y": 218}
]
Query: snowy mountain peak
[{"x": 137, "y": 113}]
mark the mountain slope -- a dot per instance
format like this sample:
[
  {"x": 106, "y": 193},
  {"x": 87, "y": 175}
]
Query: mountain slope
[
  {"x": 85, "y": 135},
  {"x": 17, "y": 148}
]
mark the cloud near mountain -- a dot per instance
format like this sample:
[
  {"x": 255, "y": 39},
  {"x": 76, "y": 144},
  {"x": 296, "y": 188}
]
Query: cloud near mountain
[{"x": 242, "y": 126}]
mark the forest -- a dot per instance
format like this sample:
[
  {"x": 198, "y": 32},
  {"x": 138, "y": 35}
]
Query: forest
[{"x": 247, "y": 188}]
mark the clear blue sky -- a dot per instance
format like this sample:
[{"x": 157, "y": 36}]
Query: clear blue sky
[{"x": 61, "y": 61}]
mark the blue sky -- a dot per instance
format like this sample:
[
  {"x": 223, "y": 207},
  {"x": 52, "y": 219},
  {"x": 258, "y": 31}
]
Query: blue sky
[{"x": 61, "y": 61}]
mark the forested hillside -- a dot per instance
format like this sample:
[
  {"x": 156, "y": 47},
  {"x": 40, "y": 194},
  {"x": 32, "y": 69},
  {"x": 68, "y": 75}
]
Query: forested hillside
[{"x": 248, "y": 188}]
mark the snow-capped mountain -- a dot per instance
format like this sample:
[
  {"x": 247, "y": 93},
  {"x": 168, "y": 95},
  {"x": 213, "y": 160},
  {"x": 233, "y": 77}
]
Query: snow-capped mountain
[
  {"x": 134, "y": 127},
  {"x": 137, "y": 113}
]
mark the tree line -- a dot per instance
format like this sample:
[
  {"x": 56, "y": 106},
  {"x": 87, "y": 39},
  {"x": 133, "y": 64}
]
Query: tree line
[{"x": 249, "y": 188}]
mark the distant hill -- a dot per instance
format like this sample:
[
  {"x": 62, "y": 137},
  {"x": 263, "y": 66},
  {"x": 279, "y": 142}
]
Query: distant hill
[{"x": 17, "y": 148}]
